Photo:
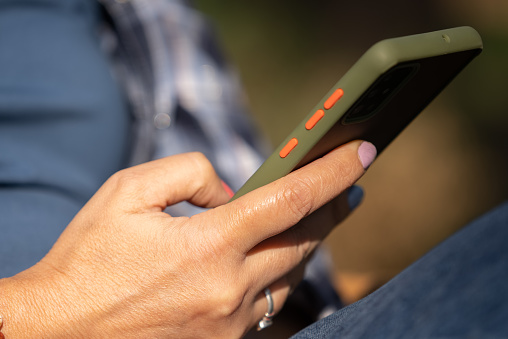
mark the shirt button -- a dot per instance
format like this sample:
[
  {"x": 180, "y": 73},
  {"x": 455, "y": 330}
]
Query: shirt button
[{"x": 162, "y": 121}]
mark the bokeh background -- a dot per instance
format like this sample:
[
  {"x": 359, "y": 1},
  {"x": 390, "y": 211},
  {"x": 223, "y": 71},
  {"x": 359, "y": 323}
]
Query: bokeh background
[{"x": 448, "y": 167}]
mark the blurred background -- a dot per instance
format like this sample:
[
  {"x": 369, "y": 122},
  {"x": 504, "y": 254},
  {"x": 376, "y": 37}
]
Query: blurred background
[{"x": 448, "y": 167}]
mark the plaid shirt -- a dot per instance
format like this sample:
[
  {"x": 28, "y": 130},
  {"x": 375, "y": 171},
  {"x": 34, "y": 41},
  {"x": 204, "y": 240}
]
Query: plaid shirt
[{"x": 182, "y": 93}]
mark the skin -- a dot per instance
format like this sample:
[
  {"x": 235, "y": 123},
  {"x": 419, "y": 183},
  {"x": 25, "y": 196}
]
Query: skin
[{"x": 124, "y": 268}]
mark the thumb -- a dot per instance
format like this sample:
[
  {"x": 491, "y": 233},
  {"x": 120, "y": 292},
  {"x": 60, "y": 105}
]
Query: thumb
[{"x": 161, "y": 183}]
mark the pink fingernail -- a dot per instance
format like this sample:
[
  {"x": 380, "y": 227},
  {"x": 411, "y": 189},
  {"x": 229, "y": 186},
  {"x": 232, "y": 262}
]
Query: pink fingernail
[
  {"x": 228, "y": 189},
  {"x": 367, "y": 153}
]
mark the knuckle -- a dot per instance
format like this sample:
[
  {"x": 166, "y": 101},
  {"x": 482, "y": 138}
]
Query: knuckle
[
  {"x": 226, "y": 301},
  {"x": 127, "y": 188},
  {"x": 302, "y": 240},
  {"x": 293, "y": 278},
  {"x": 298, "y": 197},
  {"x": 200, "y": 161},
  {"x": 203, "y": 168},
  {"x": 125, "y": 181},
  {"x": 304, "y": 249}
]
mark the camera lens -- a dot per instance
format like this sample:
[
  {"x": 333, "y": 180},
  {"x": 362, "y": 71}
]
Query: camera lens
[{"x": 380, "y": 93}]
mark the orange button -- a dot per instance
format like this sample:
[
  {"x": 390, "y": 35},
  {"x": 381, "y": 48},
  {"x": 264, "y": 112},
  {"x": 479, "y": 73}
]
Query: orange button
[
  {"x": 314, "y": 119},
  {"x": 288, "y": 148},
  {"x": 333, "y": 98}
]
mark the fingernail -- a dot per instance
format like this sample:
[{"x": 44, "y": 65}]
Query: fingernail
[
  {"x": 354, "y": 196},
  {"x": 228, "y": 189},
  {"x": 367, "y": 153}
]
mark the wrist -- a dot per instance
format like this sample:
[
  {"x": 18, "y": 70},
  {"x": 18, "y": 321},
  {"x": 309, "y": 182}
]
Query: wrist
[{"x": 36, "y": 304}]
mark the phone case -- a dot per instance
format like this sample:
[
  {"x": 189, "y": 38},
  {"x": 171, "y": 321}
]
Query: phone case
[{"x": 378, "y": 60}]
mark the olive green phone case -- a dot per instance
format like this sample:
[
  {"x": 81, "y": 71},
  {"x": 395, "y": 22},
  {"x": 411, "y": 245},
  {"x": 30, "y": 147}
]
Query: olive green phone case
[{"x": 375, "y": 100}]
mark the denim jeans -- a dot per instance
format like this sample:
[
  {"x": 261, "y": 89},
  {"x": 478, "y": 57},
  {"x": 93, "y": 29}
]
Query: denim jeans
[{"x": 457, "y": 290}]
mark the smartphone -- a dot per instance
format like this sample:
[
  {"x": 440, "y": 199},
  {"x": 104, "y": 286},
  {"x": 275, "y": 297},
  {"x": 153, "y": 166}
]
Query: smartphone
[{"x": 375, "y": 100}]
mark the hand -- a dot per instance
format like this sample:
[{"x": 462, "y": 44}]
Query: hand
[{"x": 124, "y": 268}]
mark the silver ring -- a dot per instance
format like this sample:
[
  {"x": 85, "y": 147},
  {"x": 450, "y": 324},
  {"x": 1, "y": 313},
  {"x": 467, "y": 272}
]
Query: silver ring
[{"x": 267, "y": 320}]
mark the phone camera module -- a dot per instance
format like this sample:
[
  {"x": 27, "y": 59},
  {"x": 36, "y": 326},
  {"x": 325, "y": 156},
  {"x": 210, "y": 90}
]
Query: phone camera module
[{"x": 380, "y": 93}]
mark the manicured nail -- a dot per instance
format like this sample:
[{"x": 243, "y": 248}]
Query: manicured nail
[
  {"x": 354, "y": 196},
  {"x": 228, "y": 189},
  {"x": 367, "y": 153}
]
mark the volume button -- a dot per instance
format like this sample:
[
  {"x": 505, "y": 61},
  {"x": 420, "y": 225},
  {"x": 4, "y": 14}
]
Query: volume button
[
  {"x": 314, "y": 119},
  {"x": 284, "y": 152},
  {"x": 333, "y": 98}
]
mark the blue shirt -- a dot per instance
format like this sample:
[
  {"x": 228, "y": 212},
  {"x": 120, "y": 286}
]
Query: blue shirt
[{"x": 64, "y": 124}]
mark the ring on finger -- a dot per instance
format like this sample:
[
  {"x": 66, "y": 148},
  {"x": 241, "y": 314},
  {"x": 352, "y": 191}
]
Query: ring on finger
[{"x": 267, "y": 320}]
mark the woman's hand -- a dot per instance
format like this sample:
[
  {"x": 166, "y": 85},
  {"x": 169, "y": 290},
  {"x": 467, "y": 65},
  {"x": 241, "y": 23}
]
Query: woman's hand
[{"x": 124, "y": 268}]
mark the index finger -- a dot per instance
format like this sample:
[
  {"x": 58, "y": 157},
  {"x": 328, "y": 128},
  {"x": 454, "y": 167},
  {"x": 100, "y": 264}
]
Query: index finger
[{"x": 274, "y": 208}]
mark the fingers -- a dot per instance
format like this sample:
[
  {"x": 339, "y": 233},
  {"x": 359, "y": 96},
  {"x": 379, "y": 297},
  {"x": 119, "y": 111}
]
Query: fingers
[
  {"x": 250, "y": 220},
  {"x": 282, "y": 252},
  {"x": 310, "y": 231},
  {"x": 274, "y": 208},
  {"x": 278, "y": 246},
  {"x": 279, "y": 291},
  {"x": 164, "y": 182}
]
